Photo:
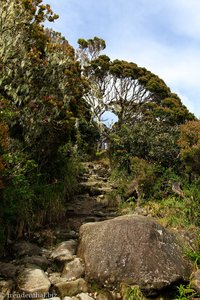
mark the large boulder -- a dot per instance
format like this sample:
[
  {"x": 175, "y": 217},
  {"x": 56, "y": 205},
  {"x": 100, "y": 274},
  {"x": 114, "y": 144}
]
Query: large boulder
[{"x": 134, "y": 250}]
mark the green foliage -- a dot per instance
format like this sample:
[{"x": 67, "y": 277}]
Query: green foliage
[
  {"x": 17, "y": 200},
  {"x": 193, "y": 253},
  {"x": 87, "y": 137},
  {"x": 18, "y": 194},
  {"x": 132, "y": 293},
  {"x": 90, "y": 49},
  {"x": 31, "y": 200},
  {"x": 185, "y": 292},
  {"x": 189, "y": 144},
  {"x": 194, "y": 256},
  {"x": 48, "y": 204},
  {"x": 180, "y": 211},
  {"x": 154, "y": 142},
  {"x": 72, "y": 169},
  {"x": 40, "y": 81},
  {"x": 145, "y": 174},
  {"x": 162, "y": 187}
]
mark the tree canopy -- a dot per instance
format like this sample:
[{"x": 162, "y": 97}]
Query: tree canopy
[{"x": 131, "y": 92}]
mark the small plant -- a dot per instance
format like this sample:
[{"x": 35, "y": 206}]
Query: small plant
[
  {"x": 186, "y": 292},
  {"x": 132, "y": 292},
  {"x": 179, "y": 211},
  {"x": 194, "y": 256},
  {"x": 101, "y": 154}
]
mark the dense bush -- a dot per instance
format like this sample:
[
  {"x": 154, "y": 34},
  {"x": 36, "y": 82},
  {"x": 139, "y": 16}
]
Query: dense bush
[
  {"x": 189, "y": 143},
  {"x": 154, "y": 142}
]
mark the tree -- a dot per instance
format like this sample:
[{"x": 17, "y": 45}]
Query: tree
[
  {"x": 138, "y": 95},
  {"x": 132, "y": 93},
  {"x": 189, "y": 143},
  {"x": 89, "y": 49},
  {"x": 94, "y": 67},
  {"x": 40, "y": 80}
]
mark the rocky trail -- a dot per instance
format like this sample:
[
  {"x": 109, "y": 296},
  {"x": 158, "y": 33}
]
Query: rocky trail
[
  {"x": 54, "y": 270},
  {"x": 92, "y": 204},
  {"x": 93, "y": 251}
]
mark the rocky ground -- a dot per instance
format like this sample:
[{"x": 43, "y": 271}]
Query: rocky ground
[
  {"x": 89, "y": 266},
  {"x": 93, "y": 203},
  {"x": 55, "y": 270}
]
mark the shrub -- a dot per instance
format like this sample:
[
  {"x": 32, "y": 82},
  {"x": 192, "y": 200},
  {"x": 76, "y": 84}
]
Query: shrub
[
  {"x": 180, "y": 211},
  {"x": 189, "y": 143}
]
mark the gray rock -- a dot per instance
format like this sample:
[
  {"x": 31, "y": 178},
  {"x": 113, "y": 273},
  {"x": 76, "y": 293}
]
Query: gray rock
[
  {"x": 84, "y": 296},
  {"x": 5, "y": 289},
  {"x": 71, "y": 288},
  {"x": 132, "y": 249},
  {"x": 195, "y": 281},
  {"x": 39, "y": 261},
  {"x": 25, "y": 248},
  {"x": 54, "y": 277},
  {"x": 104, "y": 295},
  {"x": 8, "y": 270},
  {"x": 65, "y": 251},
  {"x": 73, "y": 270},
  {"x": 33, "y": 281}
]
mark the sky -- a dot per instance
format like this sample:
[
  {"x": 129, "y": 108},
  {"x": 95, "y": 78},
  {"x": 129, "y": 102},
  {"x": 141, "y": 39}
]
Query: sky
[{"x": 161, "y": 35}]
